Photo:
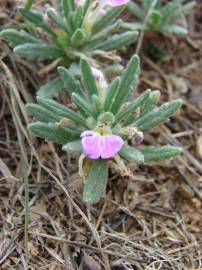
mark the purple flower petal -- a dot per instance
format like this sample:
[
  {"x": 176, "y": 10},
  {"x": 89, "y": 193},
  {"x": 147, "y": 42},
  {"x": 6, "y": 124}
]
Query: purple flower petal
[
  {"x": 96, "y": 146},
  {"x": 116, "y": 3},
  {"x": 91, "y": 144},
  {"x": 110, "y": 146}
]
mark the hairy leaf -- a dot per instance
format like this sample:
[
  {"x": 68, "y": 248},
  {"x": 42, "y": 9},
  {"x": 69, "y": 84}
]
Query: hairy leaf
[
  {"x": 40, "y": 51},
  {"x": 96, "y": 182},
  {"x": 88, "y": 78},
  {"x": 132, "y": 154},
  {"x": 52, "y": 132},
  {"x": 158, "y": 115},
  {"x": 50, "y": 89},
  {"x": 128, "y": 82},
  {"x": 71, "y": 85},
  {"x": 18, "y": 37},
  {"x": 73, "y": 147},
  {"x": 160, "y": 153},
  {"x": 62, "y": 111}
]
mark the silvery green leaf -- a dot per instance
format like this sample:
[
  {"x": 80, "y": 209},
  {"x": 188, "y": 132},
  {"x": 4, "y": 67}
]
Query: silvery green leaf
[
  {"x": 175, "y": 29},
  {"x": 128, "y": 82},
  {"x": 78, "y": 38},
  {"x": 84, "y": 105},
  {"x": 132, "y": 106},
  {"x": 71, "y": 85},
  {"x": 106, "y": 31},
  {"x": 168, "y": 10},
  {"x": 159, "y": 153},
  {"x": 116, "y": 41},
  {"x": 135, "y": 10},
  {"x": 97, "y": 107},
  {"x": 78, "y": 17},
  {"x": 111, "y": 92},
  {"x": 186, "y": 8},
  {"x": 158, "y": 115},
  {"x": 42, "y": 114},
  {"x": 132, "y": 154},
  {"x": 54, "y": 16},
  {"x": 146, "y": 4},
  {"x": 105, "y": 20},
  {"x": 61, "y": 111},
  {"x": 150, "y": 103},
  {"x": 70, "y": 23},
  {"x": 74, "y": 147},
  {"x": 112, "y": 70},
  {"x": 38, "y": 51},
  {"x": 88, "y": 78},
  {"x": 52, "y": 132},
  {"x": 96, "y": 182},
  {"x": 67, "y": 6},
  {"x": 132, "y": 26},
  {"x": 51, "y": 89},
  {"x": 18, "y": 37},
  {"x": 36, "y": 18}
]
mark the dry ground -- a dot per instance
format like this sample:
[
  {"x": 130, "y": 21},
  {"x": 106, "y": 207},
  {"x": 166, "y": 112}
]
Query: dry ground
[{"x": 153, "y": 221}]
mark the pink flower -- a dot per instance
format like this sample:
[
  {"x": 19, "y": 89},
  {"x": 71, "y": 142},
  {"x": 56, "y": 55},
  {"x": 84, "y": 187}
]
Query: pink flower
[
  {"x": 96, "y": 146},
  {"x": 116, "y": 3}
]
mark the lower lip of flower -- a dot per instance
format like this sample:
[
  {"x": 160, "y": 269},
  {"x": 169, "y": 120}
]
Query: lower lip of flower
[{"x": 96, "y": 146}]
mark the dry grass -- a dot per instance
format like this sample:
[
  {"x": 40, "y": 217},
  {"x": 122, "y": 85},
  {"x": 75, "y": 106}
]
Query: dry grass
[{"x": 151, "y": 222}]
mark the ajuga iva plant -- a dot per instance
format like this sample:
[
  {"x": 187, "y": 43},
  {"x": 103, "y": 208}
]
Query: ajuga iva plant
[
  {"x": 78, "y": 29},
  {"x": 165, "y": 17},
  {"x": 103, "y": 123}
]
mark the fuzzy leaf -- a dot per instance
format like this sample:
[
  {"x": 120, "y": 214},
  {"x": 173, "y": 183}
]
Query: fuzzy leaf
[
  {"x": 111, "y": 92},
  {"x": 132, "y": 106},
  {"x": 158, "y": 115},
  {"x": 78, "y": 38},
  {"x": 132, "y": 154},
  {"x": 128, "y": 82},
  {"x": 40, "y": 51},
  {"x": 106, "y": 31},
  {"x": 52, "y": 132},
  {"x": 150, "y": 103},
  {"x": 54, "y": 16},
  {"x": 71, "y": 85},
  {"x": 116, "y": 41},
  {"x": 73, "y": 147},
  {"x": 83, "y": 105},
  {"x": 160, "y": 153},
  {"x": 135, "y": 10},
  {"x": 36, "y": 18},
  {"x": 18, "y": 37},
  {"x": 33, "y": 16},
  {"x": 103, "y": 21},
  {"x": 51, "y": 89},
  {"x": 67, "y": 6},
  {"x": 62, "y": 111},
  {"x": 155, "y": 20},
  {"x": 78, "y": 18},
  {"x": 88, "y": 78},
  {"x": 42, "y": 114},
  {"x": 175, "y": 29},
  {"x": 96, "y": 104},
  {"x": 96, "y": 182}
]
